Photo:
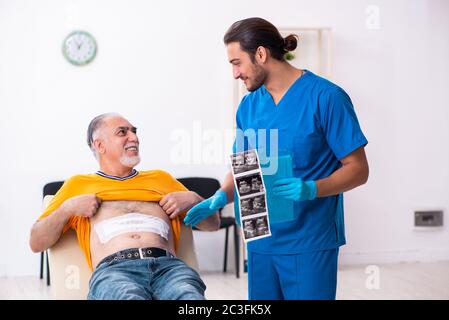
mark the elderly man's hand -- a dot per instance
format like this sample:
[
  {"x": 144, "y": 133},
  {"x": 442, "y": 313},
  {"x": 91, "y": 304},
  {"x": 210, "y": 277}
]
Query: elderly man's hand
[
  {"x": 176, "y": 202},
  {"x": 85, "y": 205}
]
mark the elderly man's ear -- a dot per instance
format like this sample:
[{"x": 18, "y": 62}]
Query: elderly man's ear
[{"x": 99, "y": 146}]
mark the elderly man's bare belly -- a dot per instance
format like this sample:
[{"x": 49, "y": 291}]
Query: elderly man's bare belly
[{"x": 113, "y": 209}]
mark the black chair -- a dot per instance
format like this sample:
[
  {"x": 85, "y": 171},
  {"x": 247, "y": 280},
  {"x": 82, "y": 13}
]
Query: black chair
[
  {"x": 49, "y": 189},
  {"x": 206, "y": 187}
]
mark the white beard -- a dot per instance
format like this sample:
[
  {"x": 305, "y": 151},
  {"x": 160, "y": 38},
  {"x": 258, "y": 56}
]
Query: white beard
[{"x": 130, "y": 162}]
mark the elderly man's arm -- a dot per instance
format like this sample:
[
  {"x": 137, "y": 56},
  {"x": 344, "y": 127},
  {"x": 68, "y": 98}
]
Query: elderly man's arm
[
  {"x": 211, "y": 223},
  {"x": 46, "y": 232},
  {"x": 175, "y": 203}
]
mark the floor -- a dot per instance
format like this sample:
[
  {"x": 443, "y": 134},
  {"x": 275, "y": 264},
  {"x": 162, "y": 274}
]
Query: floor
[{"x": 399, "y": 281}]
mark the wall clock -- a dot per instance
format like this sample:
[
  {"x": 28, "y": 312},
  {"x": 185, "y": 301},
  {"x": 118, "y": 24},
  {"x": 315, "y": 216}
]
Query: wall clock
[{"x": 79, "y": 48}]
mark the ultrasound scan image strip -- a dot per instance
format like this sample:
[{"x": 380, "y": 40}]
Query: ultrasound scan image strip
[{"x": 248, "y": 181}]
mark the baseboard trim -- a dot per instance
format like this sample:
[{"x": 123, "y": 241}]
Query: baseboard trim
[{"x": 393, "y": 256}]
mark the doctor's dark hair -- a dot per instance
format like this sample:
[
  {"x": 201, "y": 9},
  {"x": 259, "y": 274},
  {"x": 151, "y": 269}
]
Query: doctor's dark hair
[{"x": 252, "y": 33}]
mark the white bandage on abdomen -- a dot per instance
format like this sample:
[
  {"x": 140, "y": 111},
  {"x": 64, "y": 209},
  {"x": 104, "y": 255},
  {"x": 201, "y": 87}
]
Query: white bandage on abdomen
[{"x": 131, "y": 222}]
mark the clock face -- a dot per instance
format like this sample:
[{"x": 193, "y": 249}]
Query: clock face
[{"x": 79, "y": 48}]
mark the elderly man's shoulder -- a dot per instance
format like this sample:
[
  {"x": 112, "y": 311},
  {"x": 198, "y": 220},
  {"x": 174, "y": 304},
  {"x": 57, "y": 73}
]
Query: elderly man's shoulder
[
  {"x": 156, "y": 173},
  {"x": 82, "y": 178},
  {"x": 86, "y": 178}
]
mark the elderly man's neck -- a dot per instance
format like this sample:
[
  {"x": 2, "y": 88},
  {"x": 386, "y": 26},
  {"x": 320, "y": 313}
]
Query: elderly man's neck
[{"x": 117, "y": 171}]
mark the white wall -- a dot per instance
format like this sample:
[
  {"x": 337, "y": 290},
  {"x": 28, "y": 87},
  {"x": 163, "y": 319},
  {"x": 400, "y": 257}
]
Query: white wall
[{"x": 163, "y": 65}]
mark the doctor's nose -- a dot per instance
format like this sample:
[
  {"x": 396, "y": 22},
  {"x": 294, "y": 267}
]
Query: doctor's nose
[{"x": 236, "y": 73}]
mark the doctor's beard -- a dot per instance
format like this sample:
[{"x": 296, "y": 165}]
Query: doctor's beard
[{"x": 260, "y": 76}]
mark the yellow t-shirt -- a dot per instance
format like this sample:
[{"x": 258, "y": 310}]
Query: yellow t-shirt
[{"x": 145, "y": 186}]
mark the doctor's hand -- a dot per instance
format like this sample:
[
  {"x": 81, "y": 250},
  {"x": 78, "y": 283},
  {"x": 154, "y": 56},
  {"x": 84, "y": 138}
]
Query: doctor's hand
[
  {"x": 175, "y": 203},
  {"x": 206, "y": 208},
  {"x": 295, "y": 189}
]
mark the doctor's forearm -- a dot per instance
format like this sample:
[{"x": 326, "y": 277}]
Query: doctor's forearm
[
  {"x": 228, "y": 187},
  {"x": 344, "y": 179}
]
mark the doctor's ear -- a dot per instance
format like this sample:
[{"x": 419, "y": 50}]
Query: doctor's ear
[{"x": 261, "y": 54}]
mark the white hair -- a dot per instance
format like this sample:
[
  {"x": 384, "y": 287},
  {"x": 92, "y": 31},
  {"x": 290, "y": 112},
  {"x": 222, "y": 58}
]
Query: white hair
[{"x": 94, "y": 130}]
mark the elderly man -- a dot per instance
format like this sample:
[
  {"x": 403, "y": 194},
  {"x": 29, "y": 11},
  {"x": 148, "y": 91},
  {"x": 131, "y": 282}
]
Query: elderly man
[{"x": 127, "y": 222}]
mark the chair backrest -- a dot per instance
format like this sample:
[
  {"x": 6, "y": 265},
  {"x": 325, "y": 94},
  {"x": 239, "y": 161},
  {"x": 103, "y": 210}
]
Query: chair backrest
[
  {"x": 205, "y": 187},
  {"x": 52, "y": 187}
]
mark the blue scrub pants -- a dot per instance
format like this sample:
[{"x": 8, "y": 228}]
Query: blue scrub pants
[{"x": 305, "y": 276}]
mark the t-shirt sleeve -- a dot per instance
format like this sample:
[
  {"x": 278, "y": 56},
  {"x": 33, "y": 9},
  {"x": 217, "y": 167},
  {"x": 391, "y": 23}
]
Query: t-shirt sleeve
[
  {"x": 339, "y": 123},
  {"x": 173, "y": 185},
  {"x": 176, "y": 185},
  {"x": 64, "y": 193}
]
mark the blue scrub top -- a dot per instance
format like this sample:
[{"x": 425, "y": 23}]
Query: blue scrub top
[{"x": 317, "y": 124}]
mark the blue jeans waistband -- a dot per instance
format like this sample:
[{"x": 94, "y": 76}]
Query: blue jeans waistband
[{"x": 137, "y": 253}]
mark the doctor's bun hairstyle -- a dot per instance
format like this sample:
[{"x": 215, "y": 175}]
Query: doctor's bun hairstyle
[
  {"x": 252, "y": 33},
  {"x": 290, "y": 42}
]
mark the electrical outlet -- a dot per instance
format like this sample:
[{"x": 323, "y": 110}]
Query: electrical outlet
[{"x": 431, "y": 218}]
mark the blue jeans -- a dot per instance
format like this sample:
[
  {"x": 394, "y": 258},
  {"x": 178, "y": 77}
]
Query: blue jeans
[{"x": 162, "y": 278}]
